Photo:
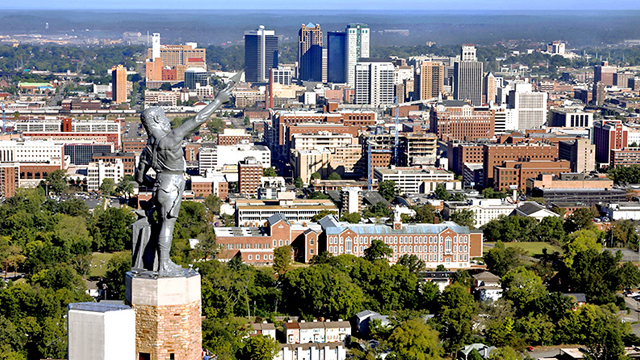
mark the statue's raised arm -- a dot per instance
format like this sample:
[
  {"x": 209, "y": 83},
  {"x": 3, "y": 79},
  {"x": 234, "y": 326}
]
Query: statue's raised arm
[{"x": 203, "y": 115}]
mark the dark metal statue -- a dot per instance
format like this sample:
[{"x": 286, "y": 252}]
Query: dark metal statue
[{"x": 153, "y": 237}]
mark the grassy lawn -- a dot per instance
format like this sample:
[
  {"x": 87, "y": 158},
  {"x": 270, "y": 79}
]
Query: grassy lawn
[
  {"x": 533, "y": 248},
  {"x": 99, "y": 263}
]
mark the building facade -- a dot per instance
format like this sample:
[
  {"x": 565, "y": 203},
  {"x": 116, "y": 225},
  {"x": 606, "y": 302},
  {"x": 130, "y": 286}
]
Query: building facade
[
  {"x": 310, "y": 52},
  {"x": 356, "y": 47},
  {"x": 468, "y": 75}
]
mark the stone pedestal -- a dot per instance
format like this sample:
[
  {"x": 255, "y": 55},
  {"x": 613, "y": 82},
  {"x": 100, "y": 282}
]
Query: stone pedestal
[{"x": 168, "y": 316}]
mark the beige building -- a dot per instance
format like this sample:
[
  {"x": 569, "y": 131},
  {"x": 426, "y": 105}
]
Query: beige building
[
  {"x": 568, "y": 181},
  {"x": 256, "y": 212},
  {"x": 307, "y": 162},
  {"x": 581, "y": 153},
  {"x": 119, "y": 84},
  {"x": 429, "y": 80}
]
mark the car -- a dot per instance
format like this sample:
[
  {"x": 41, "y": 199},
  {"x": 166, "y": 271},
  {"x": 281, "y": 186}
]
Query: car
[{"x": 632, "y": 294}]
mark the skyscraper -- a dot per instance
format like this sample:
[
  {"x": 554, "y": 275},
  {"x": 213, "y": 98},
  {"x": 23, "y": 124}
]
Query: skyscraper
[
  {"x": 119, "y": 84},
  {"x": 310, "y": 52},
  {"x": 260, "y": 54},
  {"x": 429, "y": 82},
  {"x": 374, "y": 82},
  {"x": 467, "y": 77},
  {"x": 357, "y": 47},
  {"x": 336, "y": 45}
]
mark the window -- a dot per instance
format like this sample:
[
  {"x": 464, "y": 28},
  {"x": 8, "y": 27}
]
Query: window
[
  {"x": 144, "y": 356},
  {"x": 257, "y": 257},
  {"x": 286, "y": 242},
  {"x": 279, "y": 242},
  {"x": 250, "y": 257},
  {"x": 311, "y": 241},
  {"x": 348, "y": 245},
  {"x": 311, "y": 251},
  {"x": 270, "y": 257},
  {"x": 275, "y": 243}
]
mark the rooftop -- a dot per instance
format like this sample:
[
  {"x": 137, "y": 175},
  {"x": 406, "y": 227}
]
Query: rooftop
[{"x": 332, "y": 226}]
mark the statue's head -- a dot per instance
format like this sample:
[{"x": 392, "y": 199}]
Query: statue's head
[{"x": 154, "y": 120}]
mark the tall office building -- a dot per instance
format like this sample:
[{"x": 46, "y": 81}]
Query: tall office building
[
  {"x": 119, "y": 84},
  {"x": 604, "y": 73},
  {"x": 374, "y": 82},
  {"x": 260, "y": 54},
  {"x": 530, "y": 106},
  {"x": 608, "y": 135},
  {"x": 489, "y": 91},
  {"x": 195, "y": 76},
  {"x": 336, "y": 57},
  {"x": 357, "y": 47},
  {"x": 467, "y": 76},
  {"x": 429, "y": 82},
  {"x": 310, "y": 52}
]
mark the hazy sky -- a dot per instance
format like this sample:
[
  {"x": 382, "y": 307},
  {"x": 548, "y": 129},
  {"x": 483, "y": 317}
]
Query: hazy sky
[{"x": 325, "y": 4}]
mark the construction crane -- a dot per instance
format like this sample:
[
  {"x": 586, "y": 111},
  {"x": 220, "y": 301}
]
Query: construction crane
[
  {"x": 4, "y": 120},
  {"x": 397, "y": 141}
]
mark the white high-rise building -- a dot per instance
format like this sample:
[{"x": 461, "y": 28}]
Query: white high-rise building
[
  {"x": 357, "y": 45},
  {"x": 374, "y": 82},
  {"x": 531, "y": 107},
  {"x": 155, "y": 46},
  {"x": 98, "y": 171}
]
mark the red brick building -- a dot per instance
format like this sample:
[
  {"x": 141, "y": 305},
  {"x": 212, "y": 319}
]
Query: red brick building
[
  {"x": 9, "y": 180},
  {"x": 514, "y": 174},
  {"x": 249, "y": 174},
  {"x": 457, "y": 120},
  {"x": 255, "y": 245},
  {"x": 496, "y": 155}
]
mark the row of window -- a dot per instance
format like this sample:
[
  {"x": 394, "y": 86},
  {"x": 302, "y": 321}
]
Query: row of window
[
  {"x": 400, "y": 240},
  {"x": 264, "y": 257}
]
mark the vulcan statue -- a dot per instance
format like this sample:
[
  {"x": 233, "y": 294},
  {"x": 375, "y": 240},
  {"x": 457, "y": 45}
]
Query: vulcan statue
[{"x": 153, "y": 235}]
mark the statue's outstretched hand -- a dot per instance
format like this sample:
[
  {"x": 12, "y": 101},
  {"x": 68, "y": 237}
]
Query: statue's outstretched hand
[{"x": 225, "y": 94}]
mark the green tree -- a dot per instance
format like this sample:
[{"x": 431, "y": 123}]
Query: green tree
[
  {"x": 442, "y": 193},
  {"x": 315, "y": 175},
  {"x": 334, "y": 176},
  {"x": 322, "y": 214},
  {"x": 352, "y": 218},
  {"x": 412, "y": 262},
  {"x": 108, "y": 186},
  {"x": 489, "y": 193},
  {"x": 298, "y": 183},
  {"x": 318, "y": 195},
  {"x": 282, "y": 259},
  {"x": 223, "y": 336},
  {"x": 455, "y": 315},
  {"x": 463, "y": 217},
  {"x": 622, "y": 233},
  {"x": 504, "y": 353},
  {"x": 320, "y": 290},
  {"x": 10, "y": 255},
  {"x": 57, "y": 181},
  {"x": 501, "y": 259},
  {"x": 216, "y": 125},
  {"x": 213, "y": 203},
  {"x": 111, "y": 229},
  {"x": 377, "y": 250},
  {"x": 165, "y": 86},
  {"x": 426, "y": 214},
  {"x": 387, "y": 189},
  {"x": 125, "y": 186},
  {"x": 579, "y": 241},
  {"x": 259, "y": 347},
  {"x": 522, "y": 287},
  {"x": 269, "y": 172},
  {"x": 580, "y": 219},
  {"x": 415, "y": 340},
  {"x": 114, "y": 280},
  {"x": 551, "y": 230}
]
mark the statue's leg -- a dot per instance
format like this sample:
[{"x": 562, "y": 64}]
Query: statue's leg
[{"x": 169, "y": 197}]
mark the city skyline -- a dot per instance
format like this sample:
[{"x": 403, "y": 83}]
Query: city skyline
[{"x": 359, "y": 5}]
